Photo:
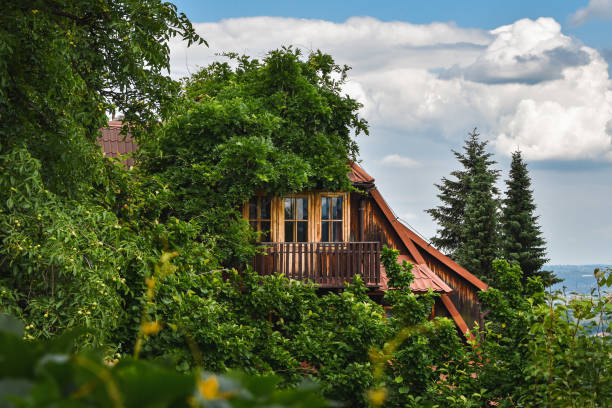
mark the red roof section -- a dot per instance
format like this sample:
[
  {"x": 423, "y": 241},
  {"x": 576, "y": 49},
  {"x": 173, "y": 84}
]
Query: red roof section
[
  {"x": 115, "y": 144},
  {"x": 359, "y": 175},
  {"x": 412, "y": 240},
  {"x": 464, "y": 273},
  {"x": 424, "y": 278}
]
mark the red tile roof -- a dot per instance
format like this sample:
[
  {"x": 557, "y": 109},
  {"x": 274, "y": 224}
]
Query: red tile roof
[
  {"x": 115, "y": 144},
  {"x": 424, "y": 278},
  {"x": 359, "y": 175}
]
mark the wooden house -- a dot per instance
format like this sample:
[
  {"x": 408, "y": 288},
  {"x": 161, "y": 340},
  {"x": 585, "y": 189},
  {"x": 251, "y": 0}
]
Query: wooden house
[{"x": 328, "y": 237}]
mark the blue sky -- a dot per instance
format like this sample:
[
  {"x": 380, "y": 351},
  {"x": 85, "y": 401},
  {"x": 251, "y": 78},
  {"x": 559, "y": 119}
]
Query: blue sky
[{"x": 528, "y": 74}]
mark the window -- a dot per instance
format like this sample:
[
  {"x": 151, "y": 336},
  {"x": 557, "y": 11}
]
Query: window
[
  {"x": 331, "y": 219},
  {"x": 296, "y": 219},
  {"x": 260, "y": 215}
]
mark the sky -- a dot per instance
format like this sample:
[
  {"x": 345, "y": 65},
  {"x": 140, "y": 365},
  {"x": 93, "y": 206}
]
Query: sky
[{"x": 529, "y": 75}]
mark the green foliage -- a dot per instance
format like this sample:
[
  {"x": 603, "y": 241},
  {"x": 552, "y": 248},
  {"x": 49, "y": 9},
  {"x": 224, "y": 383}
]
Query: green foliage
[
  {"x": 405, "y": 367},
  {"x": 522, "y": 240},
  {"x": 535, "y": 350},
  {"x": 266, "y": 325},
  {"x": 59, "y": 263},
  {"x": 273, "y": 126},
  {"x": 468, "y": 214},
  {"x": 48, "y": 374},
  {"x": 64, "y": 64}
]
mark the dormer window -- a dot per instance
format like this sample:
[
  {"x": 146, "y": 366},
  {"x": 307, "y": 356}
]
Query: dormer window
[
  {"x": 296, "y": 219},
  {"x": 260, "y": 216},
  {"x": 331, "y": 219}
]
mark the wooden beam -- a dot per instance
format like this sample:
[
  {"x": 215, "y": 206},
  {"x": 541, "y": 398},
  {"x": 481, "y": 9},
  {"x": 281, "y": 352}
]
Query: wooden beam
[{"x": 448, "y": 303}]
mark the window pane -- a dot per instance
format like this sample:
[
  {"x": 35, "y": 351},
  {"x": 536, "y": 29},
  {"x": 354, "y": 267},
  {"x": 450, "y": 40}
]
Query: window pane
[
  {"x": 337, "y": 237},
  {"x": 325, "y": 232},
  {"x": 302, "y": 208},
  {"x": 253, "y": 225},
  {"x": 302, "y": 231},
  {"x": 289, "y": 213},
  {"x": 266, "y": 208},
  {"x": 253, "y": 208},
  {"x": 265, "y": 228},
  {"x": 337, "y": 208},
  {"x": 289, "y": 231},
  {"x": 325, "y": 208}
]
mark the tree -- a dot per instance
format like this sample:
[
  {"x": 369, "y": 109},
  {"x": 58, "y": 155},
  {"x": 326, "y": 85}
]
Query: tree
[
  {"x": 468, "y": 214},
  {"x": 273, "y": 126},
  {"x": 66, "y": 255},
  {"x": 522, "y": 240},
  {"x": 64, "y": 65}
]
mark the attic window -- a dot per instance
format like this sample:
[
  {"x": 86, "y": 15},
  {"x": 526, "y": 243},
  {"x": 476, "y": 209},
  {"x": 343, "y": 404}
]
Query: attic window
[
  {"x": 296, "y": 219},
  {"x": 260, "y": 216},
  {"x": 331, "y": 219}
]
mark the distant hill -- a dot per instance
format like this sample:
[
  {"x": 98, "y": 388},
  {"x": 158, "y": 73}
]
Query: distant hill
[{"x": 576, "y": 278}]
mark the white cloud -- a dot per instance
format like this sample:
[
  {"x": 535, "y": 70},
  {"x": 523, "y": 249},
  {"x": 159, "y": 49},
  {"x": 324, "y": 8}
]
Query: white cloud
[
  {"x": 524, "y": 85},
  {"x": 595, "y": 10},
  {"x": 399, "y": 161}
]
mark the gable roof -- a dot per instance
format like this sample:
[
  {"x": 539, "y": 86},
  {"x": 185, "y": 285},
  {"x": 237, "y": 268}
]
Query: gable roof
[
  {"x": 358, "y": 175},
  {"x": 411, "y": 240}
]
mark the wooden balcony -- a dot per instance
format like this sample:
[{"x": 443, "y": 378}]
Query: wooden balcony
[{"x": 329, "y": 264}]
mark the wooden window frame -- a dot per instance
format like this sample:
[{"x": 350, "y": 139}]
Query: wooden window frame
[
  {"x": 331, "y": 219},
  {"x": 281, "y": 218},
  {"x": 346, "y": 214},
  {"x": 258, "y": 219},
  {"x": 277, "y": 230}
]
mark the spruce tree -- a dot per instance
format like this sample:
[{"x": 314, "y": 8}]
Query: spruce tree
[
  {"x": 522, "y": 239},
  {"x": 479, "y": 233},
  {"x": 467, "y": 216}
]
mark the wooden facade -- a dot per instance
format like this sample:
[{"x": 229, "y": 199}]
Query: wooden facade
[
  {"x": 363, "y": 225},
  {"x": 368, "y": 223}
]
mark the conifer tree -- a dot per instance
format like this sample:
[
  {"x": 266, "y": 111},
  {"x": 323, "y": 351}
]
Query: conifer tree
[
  {"x": 479, "y": 230},
  {"x": 467, "y": 216},
  {"x": 522, "y": 239}
]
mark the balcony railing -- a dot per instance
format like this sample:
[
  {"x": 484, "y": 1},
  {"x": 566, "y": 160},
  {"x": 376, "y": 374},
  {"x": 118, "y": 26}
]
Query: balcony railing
[{"x": 329, "y": 264}]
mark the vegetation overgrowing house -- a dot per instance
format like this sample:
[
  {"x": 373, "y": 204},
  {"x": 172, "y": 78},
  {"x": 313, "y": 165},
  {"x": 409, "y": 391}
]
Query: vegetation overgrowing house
[{"x": 328, "y": 237}]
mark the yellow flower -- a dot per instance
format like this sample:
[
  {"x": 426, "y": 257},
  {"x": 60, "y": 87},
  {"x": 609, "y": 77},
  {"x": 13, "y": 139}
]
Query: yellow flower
[
  {"x": 209, "y": 388},
  {"x": 503, "y": 325},
  {"x": 377, "y": 397},
  {"x": 151, "y": 328}
]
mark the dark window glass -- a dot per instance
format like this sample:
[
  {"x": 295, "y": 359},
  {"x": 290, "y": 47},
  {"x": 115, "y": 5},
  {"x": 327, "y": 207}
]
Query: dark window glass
[
  {"x": 296, "y": 219},
  {"x": 302, "y": 231},
  {"x": 253, "y": 209},
  {"x": 325, "y": 232},
  {"x": 260, "y": 216},
  {"x": 289, "y": 213},
  {"x": 265, "y": 231},
  {"x": 331, "y": 219},
  {"x": 266, "y": 208},
  {"x": 302, "y": 208},
  {"x": 337, "y": 231},
  {"x": 289, "y": 231},
  {"x": 325, "y": 208},
  {"x": 337, "y": 208}
]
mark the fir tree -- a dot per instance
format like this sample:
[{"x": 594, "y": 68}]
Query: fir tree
[
  {"x": 479, "y": 230},
  {"x": 522, "y": 239},
  {"x": 468, "y": 214}
]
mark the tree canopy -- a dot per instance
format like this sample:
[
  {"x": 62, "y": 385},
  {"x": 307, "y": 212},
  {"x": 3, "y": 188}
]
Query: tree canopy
[
  {"x": 65, "y": 64},
  {"x": 272, "y": 126}
]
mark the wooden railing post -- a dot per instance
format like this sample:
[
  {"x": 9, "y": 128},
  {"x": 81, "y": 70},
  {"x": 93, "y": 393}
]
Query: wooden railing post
[{"x": 326, "y": 263}]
